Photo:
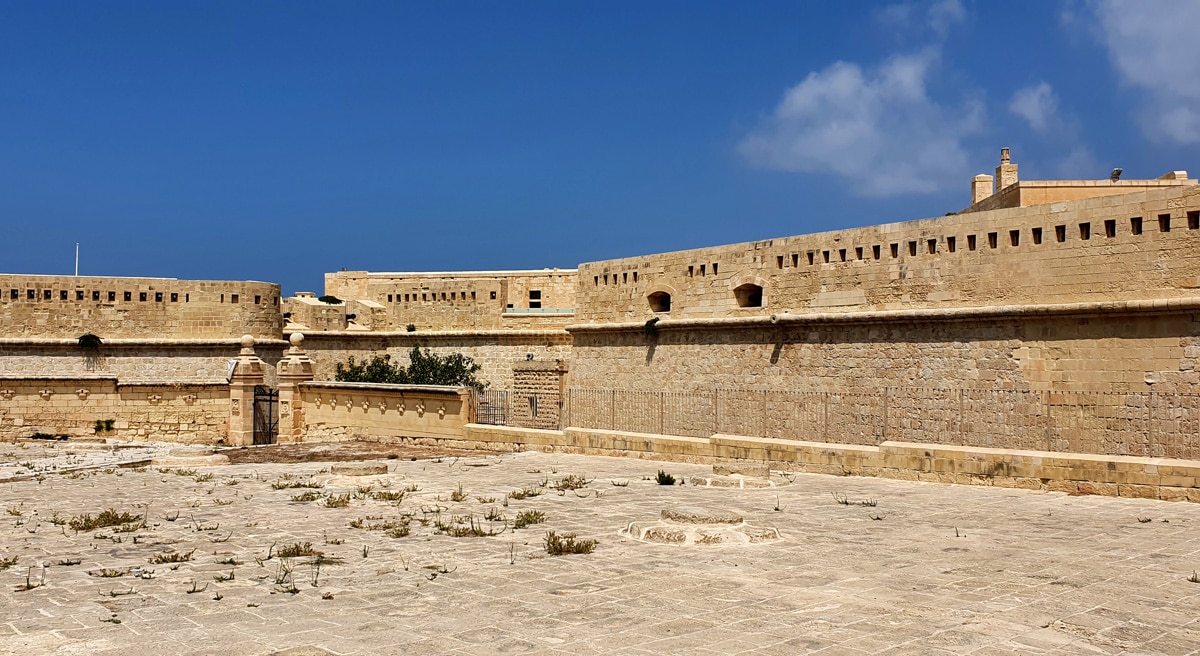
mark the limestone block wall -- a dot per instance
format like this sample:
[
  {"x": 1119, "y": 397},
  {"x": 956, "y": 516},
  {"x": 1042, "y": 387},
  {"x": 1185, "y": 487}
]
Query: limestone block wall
[
  {"x": 495, "y": 351},
  {"x": 345, "y": 411},
  {"x": 191, "y": 413},
  {"x": 69, "y": 306},
  {"x": 1117, "y": 248},
  {"x": 129, "y": 360},
  {"x": 457, "y": 300},
  {"x": 537, "y": 394}
]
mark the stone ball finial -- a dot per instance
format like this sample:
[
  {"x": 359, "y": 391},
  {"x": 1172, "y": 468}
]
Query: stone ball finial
[
  {"x": 296, "y": 339},
  {"x": 247, "y": 341}
]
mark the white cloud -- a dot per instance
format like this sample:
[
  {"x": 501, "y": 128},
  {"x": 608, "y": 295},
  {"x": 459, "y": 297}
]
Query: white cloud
[
  {"x": 938, "y": 17},
  {"x": 1152, "y": 46},
  {"x": 1037, "y": 105},
  {"x": 879, "y": 130}
]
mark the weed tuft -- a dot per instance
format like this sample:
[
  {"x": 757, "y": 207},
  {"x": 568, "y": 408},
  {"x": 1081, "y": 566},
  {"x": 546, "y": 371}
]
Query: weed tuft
[
  {"x": 567, "y": 543},
  {"x": 528, "y": 518},
  {"x": 663, "y": 478}
]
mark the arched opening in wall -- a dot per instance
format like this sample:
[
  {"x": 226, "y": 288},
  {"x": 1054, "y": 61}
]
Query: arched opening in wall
[
  {"x": 659, "y": 302},
  {"x": 748, "y": 295}
]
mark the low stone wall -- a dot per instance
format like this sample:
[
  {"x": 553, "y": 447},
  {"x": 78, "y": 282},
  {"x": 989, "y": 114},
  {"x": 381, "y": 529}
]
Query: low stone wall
[
  {"x": 345, "y": 411},
  {"x": 1126, "y": 476},
  {"x": 186, "y": 412}
]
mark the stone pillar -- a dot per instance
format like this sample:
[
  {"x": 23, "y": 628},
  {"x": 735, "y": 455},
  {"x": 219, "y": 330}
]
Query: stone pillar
[
  {"x": 246, "y": 375},
  {"x": 1006, "y": 173},
  {"x": 981, "y": 188},
  {"x": 295, "y": 368}
]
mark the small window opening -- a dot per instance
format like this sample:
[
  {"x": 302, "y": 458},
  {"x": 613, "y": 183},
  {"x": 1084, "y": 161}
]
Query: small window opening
[
  {"x": 257, "y": 299},
  {"x": 443, "y": 296},
  {"x": 1085, "y": 231},
  {"x": 275, "y": 301},
  {"x": 187, "y": 298},
  {"x": 112, "y": 297},
  {"x": 1135, "y": 225},
  {"x": 142, "y": 297},
  {"x": 714, "y": 268},
  {"x": 128, "y": 296},
  {"x": 825, "y": 255},
  {"x": 1193, "y": 220},
  {"x": 1110, "y": 228},
  {"x": 912, "y": 248},
  {"x": 993, "y": 240},
  {"x": 47, "y": 294},
  {"x": 858, "y": 252},
  {"x": 62, "y": 296},
  {"x": 812, "y": 256},
  {"x": 778, "y": 261},
  {"x": 691, "y": 270},
  {"x": 875, "y": 251},
  {"x": 659, "y": 302},
  {"x": 1060, "y": 233},
  {"x": 702, "y": 269},
  {"x": 634, "y": 277},
  {"x": 795, "y": 260},
  {"x": 79, "y": 295},
  {"x": 158, "y": 297},
  {"x": 842, "y": 254},
  {"x": 389, "y": 298},
  {"x": 454, "y": 296},
  {"x": 493, "y": 296},
  {"x": 234, "y": 298},
  {"x": 1037, "y": 235},
  {"x": 1164, "y": 223},
  {"x": 30, "y": 294},
  {"x": 895, "y": 250},
  {"x": 970, "y": 242},
  {"x": 1014, "y": 237},
  {"x": 932, "y": 245},
  {"x": 951, "y": 243},
  {"x": 535, "y": 294},
  {"x": 595, "y": 281},
  {"x": 174, "y": 297},
  {"x": 625, "y": 278},
  {"x": 424, "y": 296},
  {"x": 748, "y": 295}
]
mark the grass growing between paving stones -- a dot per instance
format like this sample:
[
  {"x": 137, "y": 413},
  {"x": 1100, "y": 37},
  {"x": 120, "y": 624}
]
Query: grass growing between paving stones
[
  {"x": 336, "y": 501},
  {"x": 293, "y": 485},
  {"x": 305, "y": 497},
  {"x": 6, "y": 563},
  {"x": 528, "y": 518},
  {"x": 296, "y": 550},
  {"x": 106, "y": 518},
  {"x": 524, "y": 493},
  {"x": 567, "y": 543},
  {"x": 846, "y": 501},
  {"x": 465, "y": 527},
  {"x": 572, "y": 482},
  {"x": 171, "y": 557}
]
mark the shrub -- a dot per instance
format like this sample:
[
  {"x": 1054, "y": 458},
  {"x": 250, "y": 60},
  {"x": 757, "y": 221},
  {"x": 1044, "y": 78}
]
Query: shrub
[
  {"x": 567, "y": 543},
  {"x": 329, "y": 300},
  {"x": 664, "y": 478},
  {"x": 90, "y": 342},
  {"x": 424, "y": 368},
  {"x": 412, "y": 327}
]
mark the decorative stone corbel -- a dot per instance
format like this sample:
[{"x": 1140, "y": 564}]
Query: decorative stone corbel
[
  {"x": 366, "y": 405},
  {"x": 155, "y": 398},
  {"x": 189, "y": 399},
  {"x": 442, "y": 411},
  {"x": 47, "y": 393},
  {"x": 82, "y": 393},
  {"x": 6, "y": 394},
  {"x": 420, "y": 408}
]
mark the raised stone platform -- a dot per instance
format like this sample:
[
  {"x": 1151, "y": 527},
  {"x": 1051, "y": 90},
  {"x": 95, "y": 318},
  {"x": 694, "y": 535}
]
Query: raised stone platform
[{"x": 695, "y": 525}]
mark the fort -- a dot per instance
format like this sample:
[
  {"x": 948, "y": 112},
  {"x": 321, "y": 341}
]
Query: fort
[{"x": 1046, "y": 336}]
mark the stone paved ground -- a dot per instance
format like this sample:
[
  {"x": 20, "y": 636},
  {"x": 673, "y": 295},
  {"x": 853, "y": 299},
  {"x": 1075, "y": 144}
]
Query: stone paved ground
[{"x": 946, "y": 569}]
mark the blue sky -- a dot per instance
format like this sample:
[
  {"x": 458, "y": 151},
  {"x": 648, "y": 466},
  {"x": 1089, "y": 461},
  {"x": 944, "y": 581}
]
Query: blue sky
[{"x": 280, "y": 140}]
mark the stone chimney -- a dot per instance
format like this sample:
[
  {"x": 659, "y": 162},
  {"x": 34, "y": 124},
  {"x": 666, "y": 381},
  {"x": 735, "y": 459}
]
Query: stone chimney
[
  {"x": 1006, "y": 173},
  {"x": 981, "y": 187}
]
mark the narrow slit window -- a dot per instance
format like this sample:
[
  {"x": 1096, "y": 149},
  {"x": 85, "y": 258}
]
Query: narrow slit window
[
  {"x": 842, "y": 254},
  {"x": 895, "y": 250},
  {"x": 912, "y": 248},
  {"x": 691, "y": 271},
  {"x": 596, "y": 281},
  {"x": 795, "y": 260},
  {"x": 1164, "y": 223},
  {"x": 858, "y": 252},
  {"x": 493, "y": 296},
  {"x": 187, "y": 298},
  {"x": 1194, "y": 220},
  {"x": 1037, "y": 235},
  {"x": 970, "y": 242},
  {"x": 812, "y": 256},
  {"x": 389, "y": 298},
  {"x": 825, "y": 254},
  {"x": 993, "y": 240},
  {"x": 932, "y": 245},
  {"x": 875, "y": 251},
  {"x": 257, "y": 299},
  {"x": 1110, "y": 228},
  {"x": 778, "y": 261},
  {"x": 1060, "y": 233},
  {"x": 1135, "y": 225},
  {"x": 625, "y": 278},
  {"x": 951, "y": 244},
  {"x": 1085, "y": 231},
  {"x": 1014, "y": 237},
  {"x": 702, "y": 270},
  {"x": 472, "y": 295},
  {"x": 714, "y": 268},
  {"x": 635, "y": 277}
]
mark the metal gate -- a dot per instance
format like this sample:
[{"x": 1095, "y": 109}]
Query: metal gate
[{"x": 266, "y": 415}]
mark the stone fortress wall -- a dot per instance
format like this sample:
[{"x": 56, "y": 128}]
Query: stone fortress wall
[{"x": 137, "y": 308}]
